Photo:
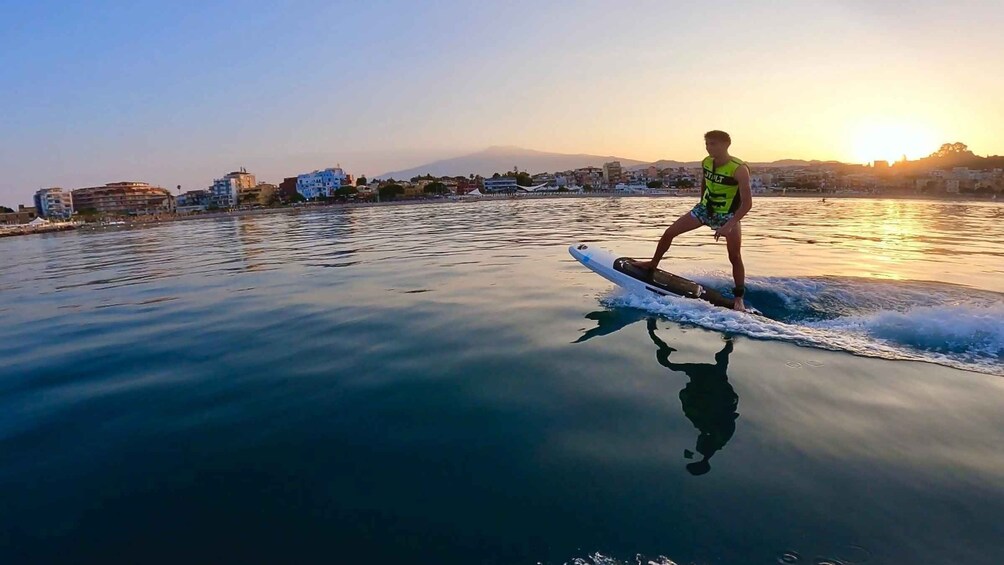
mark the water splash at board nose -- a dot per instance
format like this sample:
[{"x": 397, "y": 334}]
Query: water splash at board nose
[{"x": 908, "y": 320}]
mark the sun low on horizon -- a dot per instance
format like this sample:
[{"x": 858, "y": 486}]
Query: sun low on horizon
[{"x": 886, "y": 140}]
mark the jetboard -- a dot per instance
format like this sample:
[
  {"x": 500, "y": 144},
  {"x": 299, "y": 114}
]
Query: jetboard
[{"x": 622, "y": 272}]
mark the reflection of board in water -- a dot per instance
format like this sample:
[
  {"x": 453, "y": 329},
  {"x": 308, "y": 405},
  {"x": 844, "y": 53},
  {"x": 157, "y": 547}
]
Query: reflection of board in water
[{"x": 668, "y": 283}]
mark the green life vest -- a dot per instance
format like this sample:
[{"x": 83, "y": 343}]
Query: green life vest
[{"x": 721, "y": 189}]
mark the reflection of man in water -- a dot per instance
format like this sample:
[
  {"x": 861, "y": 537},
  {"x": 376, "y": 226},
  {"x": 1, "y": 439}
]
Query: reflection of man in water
[{"x": 709, "y": 401}]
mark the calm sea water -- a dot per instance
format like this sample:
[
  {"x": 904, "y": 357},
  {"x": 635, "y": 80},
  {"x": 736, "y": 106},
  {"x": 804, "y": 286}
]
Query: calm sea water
[{"x": 444, "y": 384}]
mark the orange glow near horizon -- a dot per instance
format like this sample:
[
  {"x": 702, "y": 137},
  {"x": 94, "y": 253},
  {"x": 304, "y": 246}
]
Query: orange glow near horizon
[{"x": 891, "y": 141}]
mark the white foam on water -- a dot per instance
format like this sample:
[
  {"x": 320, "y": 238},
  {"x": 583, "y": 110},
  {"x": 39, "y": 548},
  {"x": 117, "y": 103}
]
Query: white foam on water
[
  {"x": 907, "y": 320},
  {"x": 598, "y": 558}
]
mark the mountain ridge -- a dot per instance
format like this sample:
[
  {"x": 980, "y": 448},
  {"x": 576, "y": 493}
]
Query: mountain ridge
[{"x": 502, "y": 158}]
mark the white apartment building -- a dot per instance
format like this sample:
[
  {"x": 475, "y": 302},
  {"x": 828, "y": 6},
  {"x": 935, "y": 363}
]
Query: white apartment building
[{"x": 321, "y": 183}]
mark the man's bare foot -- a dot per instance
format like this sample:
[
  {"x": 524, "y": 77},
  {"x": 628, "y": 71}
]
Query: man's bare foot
[{"x": 738, "y": 305}]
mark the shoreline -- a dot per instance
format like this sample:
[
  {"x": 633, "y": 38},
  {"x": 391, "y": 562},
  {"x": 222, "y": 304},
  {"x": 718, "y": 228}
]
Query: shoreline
[
  {"x": 16, "y": 230},
  {"x": 156, "y": 219}
]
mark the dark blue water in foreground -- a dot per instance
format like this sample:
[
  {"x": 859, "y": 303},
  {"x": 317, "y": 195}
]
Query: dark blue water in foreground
[{"x": 443, "y": 384}]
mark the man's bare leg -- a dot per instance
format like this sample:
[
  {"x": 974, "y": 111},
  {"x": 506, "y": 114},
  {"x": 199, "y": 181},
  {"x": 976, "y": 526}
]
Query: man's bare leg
[
  {"x": 734, "y": 243},
  {"x": 683, "y": 224}
]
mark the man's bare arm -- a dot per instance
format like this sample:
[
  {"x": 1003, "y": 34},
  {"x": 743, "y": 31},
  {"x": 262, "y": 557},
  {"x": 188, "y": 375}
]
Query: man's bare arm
[{"x": 745, "y": 193}]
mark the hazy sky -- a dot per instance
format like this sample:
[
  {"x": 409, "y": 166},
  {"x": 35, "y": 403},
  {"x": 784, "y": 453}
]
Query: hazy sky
[{"x": 181, "y": 92}]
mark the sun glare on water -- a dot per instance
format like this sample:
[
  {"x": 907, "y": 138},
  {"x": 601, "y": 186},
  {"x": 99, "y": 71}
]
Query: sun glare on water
[{"x": 878, "y": 141}]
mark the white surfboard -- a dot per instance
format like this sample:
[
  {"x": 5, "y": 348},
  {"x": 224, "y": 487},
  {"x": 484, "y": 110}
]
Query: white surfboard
[{"x": 621, "y": 271}]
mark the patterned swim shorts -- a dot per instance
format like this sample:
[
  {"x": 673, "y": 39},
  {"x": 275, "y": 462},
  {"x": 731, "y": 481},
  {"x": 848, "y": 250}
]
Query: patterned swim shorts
[{"x": 712, "y": 220}]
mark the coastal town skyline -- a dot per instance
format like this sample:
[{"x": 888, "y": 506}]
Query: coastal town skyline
[
  {"x": 952, "y": 171},
  {"x": 566, "y": 170},
  {"x": 390, "y": 86}
]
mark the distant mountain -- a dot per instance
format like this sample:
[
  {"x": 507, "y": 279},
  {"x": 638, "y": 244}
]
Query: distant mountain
[
  {"x": 795, "y": 163},
  {"x": 499, "y": 159},
  {"x": 503, "y": 158},
  {"x": 668, "y": 164}
]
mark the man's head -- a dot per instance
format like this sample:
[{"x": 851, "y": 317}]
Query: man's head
[{"x": 717, "y": 143}]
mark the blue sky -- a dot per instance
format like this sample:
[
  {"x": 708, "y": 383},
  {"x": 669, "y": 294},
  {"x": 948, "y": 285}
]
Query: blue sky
[{"x": 182, "y": 92}]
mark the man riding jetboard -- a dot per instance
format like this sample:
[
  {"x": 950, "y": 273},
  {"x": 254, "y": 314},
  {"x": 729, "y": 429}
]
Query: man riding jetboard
[{"x": 725, "y": 198}]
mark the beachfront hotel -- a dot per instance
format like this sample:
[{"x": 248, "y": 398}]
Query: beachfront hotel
[
  {"x": 54, "y": 203},
  {"x": 225, "y": 192},
  {"x": 321, "y": 183},
  {"x": 123, "y": 198}
]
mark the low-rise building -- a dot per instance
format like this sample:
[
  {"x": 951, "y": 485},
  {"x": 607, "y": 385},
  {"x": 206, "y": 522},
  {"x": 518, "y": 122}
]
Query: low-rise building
[
  {"x": 54, "y": 203},
  {"x": 500, "y": 184},
  {"x": 450, "y": 183},
  {"x": 542, "y": 178},
  {"x": 193, "y": 198},
  {"x": 414, "y": 189},
  {"x": 261, "y": 194},
  {"x": 962, "y": 173},
  {"x": 592, "y": 176},
  {"x": 126, "y": 197},
  {"x": 192, "y": 201},
  {"x": 287, "y": 189},
  {"x": 467, "y": 184},
  {"x": 24, "y": 215}
]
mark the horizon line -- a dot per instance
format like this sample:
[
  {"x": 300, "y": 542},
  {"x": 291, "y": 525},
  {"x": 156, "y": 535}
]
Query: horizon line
[{"x": 640, "y": 162}]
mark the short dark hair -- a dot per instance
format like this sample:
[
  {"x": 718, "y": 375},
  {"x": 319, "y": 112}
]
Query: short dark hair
[{"x": 718, "y": 135}]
